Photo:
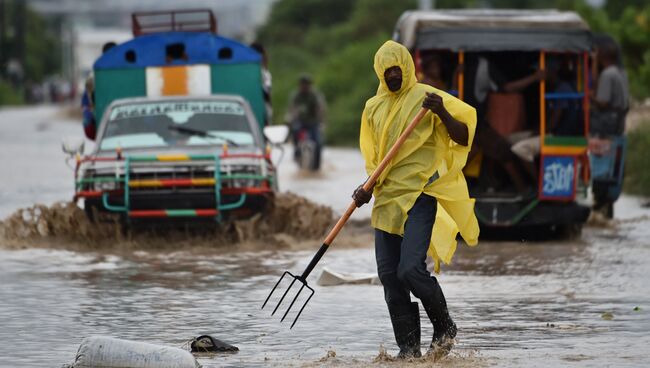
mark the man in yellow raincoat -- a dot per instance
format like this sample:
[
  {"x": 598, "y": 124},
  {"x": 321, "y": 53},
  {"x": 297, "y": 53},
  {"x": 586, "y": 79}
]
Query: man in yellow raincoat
[{"x": 421, "y": 199}]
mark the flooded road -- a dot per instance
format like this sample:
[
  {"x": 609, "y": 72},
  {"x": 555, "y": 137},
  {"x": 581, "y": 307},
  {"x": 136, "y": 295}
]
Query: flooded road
[{"x": 584, "y": 302}]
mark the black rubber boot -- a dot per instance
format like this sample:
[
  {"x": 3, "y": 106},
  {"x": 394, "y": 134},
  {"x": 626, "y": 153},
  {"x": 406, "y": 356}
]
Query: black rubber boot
[
  {"x": 444, "y": 328},
  {"x": 444, "y": 332},
  {"x": 406, "y": 325}
]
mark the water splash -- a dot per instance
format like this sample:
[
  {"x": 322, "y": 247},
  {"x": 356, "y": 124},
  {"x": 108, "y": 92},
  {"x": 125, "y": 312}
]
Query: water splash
[{"x": 291, "y": 220}]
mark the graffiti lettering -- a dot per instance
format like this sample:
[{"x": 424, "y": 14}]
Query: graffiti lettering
[{"x": 558, "y": 179}]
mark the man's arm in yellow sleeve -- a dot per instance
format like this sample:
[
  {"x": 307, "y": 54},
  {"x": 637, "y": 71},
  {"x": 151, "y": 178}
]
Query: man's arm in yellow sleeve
[
  {"x": 457, "y": 130},
  {"x": 367, "y": 144}
]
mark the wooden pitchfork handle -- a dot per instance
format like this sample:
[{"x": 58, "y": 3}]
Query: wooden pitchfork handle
[{"x": 367, "y": 186}]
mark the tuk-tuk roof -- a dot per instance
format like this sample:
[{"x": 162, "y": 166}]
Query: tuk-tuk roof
[
  {"x": 200, "y": 48},
  {"x": 493, "y": 30}
]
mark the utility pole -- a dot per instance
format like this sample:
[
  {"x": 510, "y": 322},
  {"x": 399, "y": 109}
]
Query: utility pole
[
  {"x": 426, "y": 4},
  {"x": 3, "y": 36},
  {"x": 20, "y": 13}
]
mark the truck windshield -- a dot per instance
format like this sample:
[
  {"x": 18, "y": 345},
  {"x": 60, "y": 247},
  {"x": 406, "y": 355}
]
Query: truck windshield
[{"x": 177, "y": 124}]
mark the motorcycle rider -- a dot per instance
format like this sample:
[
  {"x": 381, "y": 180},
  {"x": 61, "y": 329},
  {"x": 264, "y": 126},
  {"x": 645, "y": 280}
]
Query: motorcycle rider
[{"x": 306, "y": 113}]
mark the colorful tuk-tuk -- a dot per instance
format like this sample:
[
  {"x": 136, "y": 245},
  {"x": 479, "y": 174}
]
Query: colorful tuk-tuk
[
  {"x": 180, "y": 132},
  {"x": 526, "y": 46}
]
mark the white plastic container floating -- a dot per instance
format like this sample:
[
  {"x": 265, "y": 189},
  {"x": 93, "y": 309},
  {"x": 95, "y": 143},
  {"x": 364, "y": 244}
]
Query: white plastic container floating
[
  {"x": 332, "y": 278},
  {"x": 105, "y": 352}
]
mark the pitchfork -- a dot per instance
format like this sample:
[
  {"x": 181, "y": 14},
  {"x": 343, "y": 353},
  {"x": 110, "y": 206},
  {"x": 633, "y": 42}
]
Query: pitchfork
[{"x": 367, "y": 186}]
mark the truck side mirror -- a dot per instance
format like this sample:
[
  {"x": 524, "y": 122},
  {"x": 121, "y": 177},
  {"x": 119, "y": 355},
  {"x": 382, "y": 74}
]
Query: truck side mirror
[
  {"x": 72, "y": 145},
  {"x": 276, "y": 134}
]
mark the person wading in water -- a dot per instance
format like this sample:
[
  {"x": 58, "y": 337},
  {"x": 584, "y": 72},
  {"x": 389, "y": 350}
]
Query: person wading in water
[{"x": 421, "y": 199}]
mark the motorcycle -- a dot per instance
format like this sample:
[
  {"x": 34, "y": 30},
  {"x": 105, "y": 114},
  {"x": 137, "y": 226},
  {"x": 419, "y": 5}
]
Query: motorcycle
[{"x": 307, "y": 146}]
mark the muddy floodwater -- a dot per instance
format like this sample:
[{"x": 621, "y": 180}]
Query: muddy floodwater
[{"x": 581, "y": 302}]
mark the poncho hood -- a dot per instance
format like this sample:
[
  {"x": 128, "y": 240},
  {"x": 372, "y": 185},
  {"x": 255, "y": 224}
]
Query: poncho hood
[{"x": 392, "y": 54}]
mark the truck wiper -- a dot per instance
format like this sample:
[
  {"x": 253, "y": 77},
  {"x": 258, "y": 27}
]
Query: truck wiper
[{"x": 202, "y": 133}]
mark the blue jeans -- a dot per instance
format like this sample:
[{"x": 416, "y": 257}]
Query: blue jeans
[{"x": 401, "y": 264}]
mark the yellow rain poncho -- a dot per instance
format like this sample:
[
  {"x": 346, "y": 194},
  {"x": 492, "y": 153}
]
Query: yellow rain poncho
[{"x": 427, "y": 150}]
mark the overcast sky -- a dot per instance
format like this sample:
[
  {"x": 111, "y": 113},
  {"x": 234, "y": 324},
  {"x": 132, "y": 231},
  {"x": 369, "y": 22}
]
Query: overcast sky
[{"x": 233, "y": 16}]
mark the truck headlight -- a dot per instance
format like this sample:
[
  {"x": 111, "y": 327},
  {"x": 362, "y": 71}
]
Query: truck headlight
[
  {"x": 106, "y": 185},
  {"x": 243, "y": 183}
]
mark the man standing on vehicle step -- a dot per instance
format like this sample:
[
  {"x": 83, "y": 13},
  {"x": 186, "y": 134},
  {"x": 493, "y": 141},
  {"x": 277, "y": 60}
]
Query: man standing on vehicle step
[{"x": 421, "y": 199}]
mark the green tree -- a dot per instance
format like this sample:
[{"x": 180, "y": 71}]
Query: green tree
[
  {"x": 42, "y": 48},
  {"x": 290, "y": 19},
  {"x": 32, "y": 40}
]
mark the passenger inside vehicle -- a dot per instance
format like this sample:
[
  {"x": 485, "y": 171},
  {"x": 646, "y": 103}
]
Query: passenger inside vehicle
[
  {"x": 432, "y": 72},
  {"x": 564, "y": 114},
  {"x": 440, "y": 69},
  {"x": 503, "y": 109}
]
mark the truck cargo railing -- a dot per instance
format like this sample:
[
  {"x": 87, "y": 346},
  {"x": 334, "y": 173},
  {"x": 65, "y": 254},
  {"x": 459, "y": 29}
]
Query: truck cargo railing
[{"x": 187, "y": 20}]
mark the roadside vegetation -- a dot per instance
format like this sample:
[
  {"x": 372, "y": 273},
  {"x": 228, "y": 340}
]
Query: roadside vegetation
[
  {"x": 9, "y": 95},
  {"x": 30, "y": 42},
  {"x": 637, "y": 172}
]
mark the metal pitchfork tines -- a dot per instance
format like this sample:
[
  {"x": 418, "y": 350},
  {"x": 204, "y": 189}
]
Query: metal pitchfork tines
[{"x": 367, "y": 186}]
